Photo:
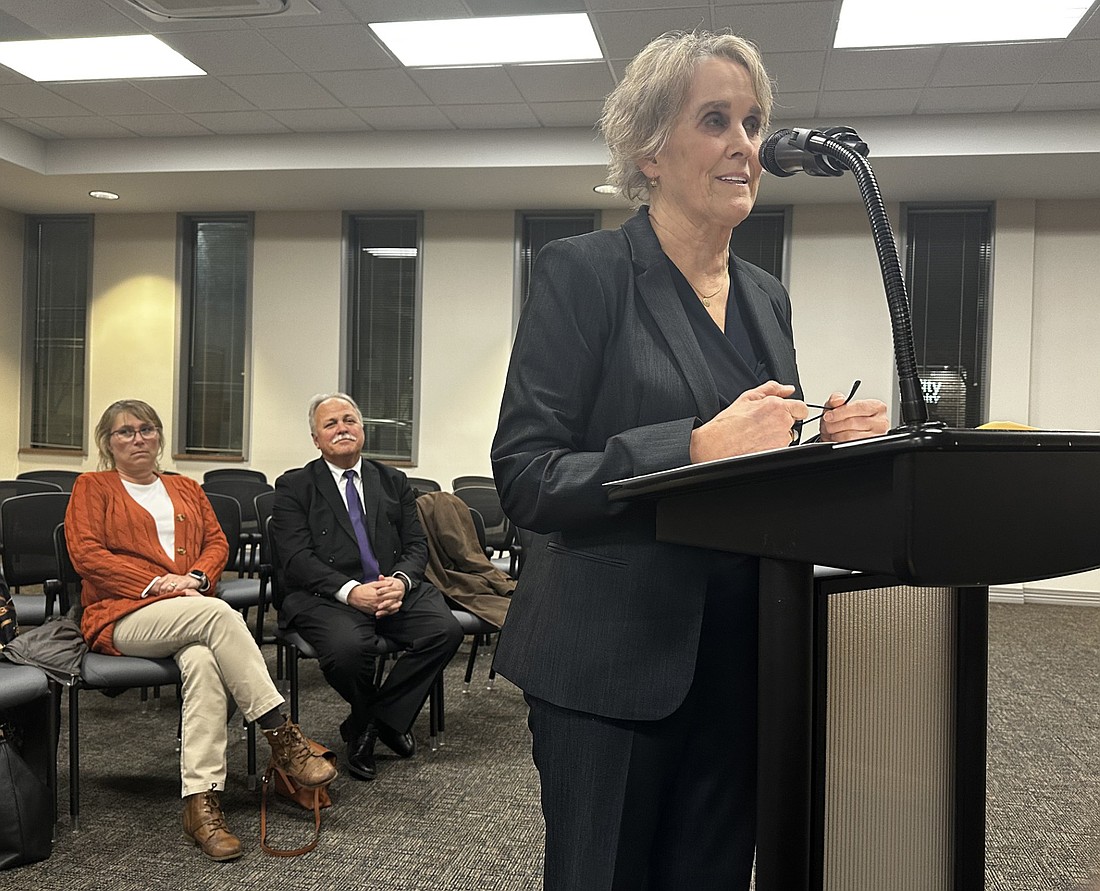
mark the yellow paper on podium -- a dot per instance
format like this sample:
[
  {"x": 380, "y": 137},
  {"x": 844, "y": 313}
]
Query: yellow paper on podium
[{"x": 1005, "y": 425}]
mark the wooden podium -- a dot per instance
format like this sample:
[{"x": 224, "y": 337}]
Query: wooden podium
[{"x": 929, "y": 518}]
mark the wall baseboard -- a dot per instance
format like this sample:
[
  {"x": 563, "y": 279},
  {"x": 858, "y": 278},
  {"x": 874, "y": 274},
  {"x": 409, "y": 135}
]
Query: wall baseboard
[{"x": 1052, "y": 596}]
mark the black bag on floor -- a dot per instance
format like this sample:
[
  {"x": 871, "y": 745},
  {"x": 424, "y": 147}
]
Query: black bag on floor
[{"x": 26, "y": 811}]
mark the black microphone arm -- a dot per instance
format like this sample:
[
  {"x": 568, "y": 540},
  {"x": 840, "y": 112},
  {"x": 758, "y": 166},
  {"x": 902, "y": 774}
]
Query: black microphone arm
[{"x": 829, "y": 153}]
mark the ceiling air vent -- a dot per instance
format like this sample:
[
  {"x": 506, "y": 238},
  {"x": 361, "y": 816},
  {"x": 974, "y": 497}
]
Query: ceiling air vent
[{"x": 171, "y": 10}]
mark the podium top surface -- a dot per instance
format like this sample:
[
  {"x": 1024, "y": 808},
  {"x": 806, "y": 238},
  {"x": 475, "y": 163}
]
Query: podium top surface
[{"x": 806, "y": 457}]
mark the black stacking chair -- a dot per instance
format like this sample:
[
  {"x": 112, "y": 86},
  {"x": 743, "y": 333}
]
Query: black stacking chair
[
  {"x": 475, "y": 625},
  {"x": 11, "y": 488},
  {"x": 460, "y": 481},
  {"x": 498, "y": 528},
  {"x": 30, "y": 700},
  {"x": 62, "y": 478},
  {"x": 422, "y": 484},
  {"x": 226, "y": 473},
  {"x": 244, "y": 592},
  {"x": 297, "y": 648},
  {"x": 245, "y": 490},
  {"x": 28, "y": 522},
  {"x": 99, "y": 671}
]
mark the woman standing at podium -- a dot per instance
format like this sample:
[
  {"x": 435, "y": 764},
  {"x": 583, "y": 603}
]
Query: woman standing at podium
[{"x": 641, "y": 349}]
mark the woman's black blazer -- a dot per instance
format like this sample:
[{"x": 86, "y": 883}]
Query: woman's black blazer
[{"x": 607, "y": 381}]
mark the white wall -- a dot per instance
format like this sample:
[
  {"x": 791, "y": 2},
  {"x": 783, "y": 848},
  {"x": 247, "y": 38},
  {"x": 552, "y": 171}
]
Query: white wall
[{"x": 1044, "y": 359}]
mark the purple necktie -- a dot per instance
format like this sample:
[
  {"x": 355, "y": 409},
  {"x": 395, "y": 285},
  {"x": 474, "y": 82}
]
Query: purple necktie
[{"x": 359, "y": 525}]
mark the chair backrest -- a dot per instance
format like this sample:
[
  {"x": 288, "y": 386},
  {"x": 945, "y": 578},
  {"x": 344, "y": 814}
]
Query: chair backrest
[
  {"x": 421, "y": 485},
  {"x": 459, "y": 481},
  {"x": 485, "y": 500},
  {"x": 67, "y": 575},
  {"x": 245, "y": 491},
  {"x": 21, "y": 486},
  {"x": 479, "y": 528},
  {"x": 263, "y": 504},
  {"x": 243, "y": 473},
  {"x": 28, "y": 522},
  {"x": 228, "y": 512},
  {"x": 275, "y": 572},
  {"x": 62, "y": 478}
]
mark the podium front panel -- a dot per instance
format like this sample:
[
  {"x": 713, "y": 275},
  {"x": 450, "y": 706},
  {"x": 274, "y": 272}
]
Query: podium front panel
[{"x": 890, "y": 739}]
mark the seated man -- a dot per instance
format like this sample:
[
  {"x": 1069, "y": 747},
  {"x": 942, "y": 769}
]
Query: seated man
[{"x": 352, "y": 554}]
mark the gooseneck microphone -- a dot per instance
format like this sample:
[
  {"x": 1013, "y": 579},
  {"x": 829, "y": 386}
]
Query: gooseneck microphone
[
  {"x": 787, "y": 152},
  {"x": 829, "y": 153}
]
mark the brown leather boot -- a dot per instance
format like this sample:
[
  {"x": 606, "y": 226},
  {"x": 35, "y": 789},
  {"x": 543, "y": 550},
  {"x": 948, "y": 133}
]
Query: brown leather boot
[
  {"x": 291, "y": 753},
  {"x": 204, "y": 823}
]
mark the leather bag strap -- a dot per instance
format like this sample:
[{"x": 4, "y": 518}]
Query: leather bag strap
[{"x": 283, "y": 852}]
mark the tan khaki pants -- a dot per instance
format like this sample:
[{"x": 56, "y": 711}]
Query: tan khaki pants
[{"x": 218, "y": 658}]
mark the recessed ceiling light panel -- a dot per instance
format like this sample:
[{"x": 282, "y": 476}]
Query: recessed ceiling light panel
[
  {"x": 103, "y": 195},
  {"x": 496, "y": 40},
  {"x": 96, "y": 58},
  {"x": 874, "y": 23}
]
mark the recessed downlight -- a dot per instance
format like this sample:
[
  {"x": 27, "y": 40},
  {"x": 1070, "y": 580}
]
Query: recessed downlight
[
  {"x": 605, "y": 189},
  {"x": 103, "y": 195}
]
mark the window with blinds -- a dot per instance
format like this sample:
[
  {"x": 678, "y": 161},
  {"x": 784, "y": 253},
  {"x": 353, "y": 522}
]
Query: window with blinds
[
  {"x": 947, "y": 267},
  {"x": 761, "y": 239},
  {"x": 383, "y": 280},
  {"x": 58, "y": 263},
  {"x": 536, "y": 229},
  {"x": 216, "y": 286}
]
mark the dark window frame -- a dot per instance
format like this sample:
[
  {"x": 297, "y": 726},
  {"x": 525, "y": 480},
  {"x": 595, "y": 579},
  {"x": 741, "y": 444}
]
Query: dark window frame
[
  {"x": 33, "y": 436},
  {"x": 525, "y": 254},
  {"x": 955, "y": 377},
  {"x": 185, "y": 446},
  {"x": 393, "y": 440},
  {"x": 756, "y": 226}
]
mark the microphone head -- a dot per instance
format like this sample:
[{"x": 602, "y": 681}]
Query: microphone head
[{"x": 778, "y": 157}]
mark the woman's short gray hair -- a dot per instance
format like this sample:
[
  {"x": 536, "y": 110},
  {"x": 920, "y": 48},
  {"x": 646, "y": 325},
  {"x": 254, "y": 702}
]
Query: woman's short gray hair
[
  {"x": 316, "y": 401},
  {"x": 639, "y": 113}
]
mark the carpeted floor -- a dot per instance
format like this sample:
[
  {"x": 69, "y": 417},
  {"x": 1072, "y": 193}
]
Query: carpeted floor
[{"x": 466, "y": 817}]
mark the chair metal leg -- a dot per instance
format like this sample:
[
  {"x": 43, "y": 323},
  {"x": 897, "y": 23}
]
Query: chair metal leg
[
  {"x": 292, "y": 676},
  {"x": 251, "y": 756},
  {"x": 470, "y": 663},
  {"x": 435, "y": 714},
  {"x": 74, "y": 757}
]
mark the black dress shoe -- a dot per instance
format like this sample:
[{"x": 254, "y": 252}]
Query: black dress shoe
[
  {"x": 361, "y": 754},
  {"x": 404, "y": 744}
]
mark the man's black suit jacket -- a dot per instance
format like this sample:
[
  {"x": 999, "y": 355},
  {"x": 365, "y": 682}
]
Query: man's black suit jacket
[
  {"x": 607, "y": 381},
  {"x": 314, "y": 540}
]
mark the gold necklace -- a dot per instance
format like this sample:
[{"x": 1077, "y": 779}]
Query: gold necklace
[{"x": 706, "y": 298}]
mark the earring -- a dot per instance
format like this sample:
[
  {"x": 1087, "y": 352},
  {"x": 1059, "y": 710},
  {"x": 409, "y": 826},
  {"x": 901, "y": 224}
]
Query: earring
[{"x": 653, "y": 182}]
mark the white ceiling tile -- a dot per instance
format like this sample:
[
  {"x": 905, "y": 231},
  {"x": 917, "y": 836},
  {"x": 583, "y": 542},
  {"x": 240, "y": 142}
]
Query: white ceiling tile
[
  {"x": 450, "y": 86},
  {"x": 161, "y": 125},
  {"x": 331, "y": 48},
  {"x": 568, "y": 114},
  {"x": 938, "y": 100},
  {"x": 562, "y": 83},
  {"x": 839, "y": 104},
  {"x": 87, "y": 19},
  {"x": 281, "y": 91},
  {"x": 195, "y": 94},
  {"x": 368, "y": 89},
  {"x": 35, "y": 128},
  {"x": 882, "y": 69},
  {"x": 240, "y": 122},
  {"x": 306, "y": 14},
  {"x": 87, "y": 127},
  {"x": 321, "y": 120},
  {"x": 111, "y": 97},
  {"x": 424, "y": 117},
  {"x": 637, "y": 5},
  {"x": 780, "y": 27},
  {"x": 490, "y": 117},
  {"x": 36, "y": 101},
  {"x": 623, "y": 34},
  {"x": 965, "y": 66},
  {"x": 796, "y": 72},
  {"x": 794, "y": 106},
  {"x": 1075, "y": 60},
  {"x": 230, "y": 52},
  {"x": 1062, "y": 97}
]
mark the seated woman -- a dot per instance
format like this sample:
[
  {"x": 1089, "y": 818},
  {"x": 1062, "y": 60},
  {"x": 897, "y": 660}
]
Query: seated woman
[{"x": 148, "y": 547}]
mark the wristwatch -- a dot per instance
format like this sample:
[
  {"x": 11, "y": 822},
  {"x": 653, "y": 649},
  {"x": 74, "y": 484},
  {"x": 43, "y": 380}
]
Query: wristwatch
[{"x": 204, "y": 582}]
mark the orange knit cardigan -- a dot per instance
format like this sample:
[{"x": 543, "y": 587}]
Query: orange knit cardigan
[{"x": 114, "y": 546}]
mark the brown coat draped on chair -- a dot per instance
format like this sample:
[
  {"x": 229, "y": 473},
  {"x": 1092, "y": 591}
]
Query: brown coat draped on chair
[{"x": 456, "y": 563}]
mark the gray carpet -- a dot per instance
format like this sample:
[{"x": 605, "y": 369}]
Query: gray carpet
[{"x": 466, "y": 817}]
